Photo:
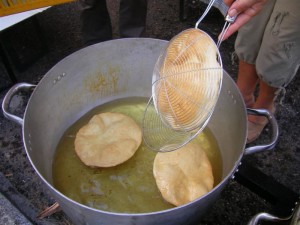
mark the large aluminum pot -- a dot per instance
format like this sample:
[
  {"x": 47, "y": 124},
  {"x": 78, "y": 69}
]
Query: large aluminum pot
[{"x": 99, "y": 74}]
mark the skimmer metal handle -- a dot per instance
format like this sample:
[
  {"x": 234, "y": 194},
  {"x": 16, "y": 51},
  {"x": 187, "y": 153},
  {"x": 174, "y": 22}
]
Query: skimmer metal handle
[
  {"x": 210, "y": 4},
  {"x": 228, "y": 21}
]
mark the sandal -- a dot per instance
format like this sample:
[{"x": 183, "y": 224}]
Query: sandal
[
  {"x": 249, "y": 102},
  {"x": 255, "y": 128}
]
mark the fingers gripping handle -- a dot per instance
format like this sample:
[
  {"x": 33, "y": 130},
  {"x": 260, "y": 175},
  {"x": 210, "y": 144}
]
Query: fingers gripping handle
[{"x": 8, "y": 97}]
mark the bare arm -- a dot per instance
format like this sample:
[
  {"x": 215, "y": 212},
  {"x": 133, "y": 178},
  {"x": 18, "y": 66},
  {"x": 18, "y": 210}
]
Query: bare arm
[{"x": 245, "y": 9}]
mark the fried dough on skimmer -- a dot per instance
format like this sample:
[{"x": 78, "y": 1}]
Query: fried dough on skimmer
[
  {"x": 183, "y": 175},
  {"x": 191, "y": 76},
  {"x": 107, "y": 140}
]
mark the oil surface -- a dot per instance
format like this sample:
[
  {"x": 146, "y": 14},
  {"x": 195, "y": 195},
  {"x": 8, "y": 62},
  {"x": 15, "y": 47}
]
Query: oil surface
[{"x": 129, "y": 187}]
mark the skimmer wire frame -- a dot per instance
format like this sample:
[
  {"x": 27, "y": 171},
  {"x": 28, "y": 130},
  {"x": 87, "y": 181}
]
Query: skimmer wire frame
[{"x": 166, "y": 126}]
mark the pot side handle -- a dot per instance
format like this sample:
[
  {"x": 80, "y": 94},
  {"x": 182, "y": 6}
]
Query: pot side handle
[
  {"x": 8, "y": 97},
  {"x": 282, "y": 199},
  {"x": 266, "y": 217},
  {"x": 274, "y": 127}
]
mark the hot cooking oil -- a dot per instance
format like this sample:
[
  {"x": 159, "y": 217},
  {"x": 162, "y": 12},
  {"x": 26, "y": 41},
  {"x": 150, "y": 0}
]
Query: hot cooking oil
[{"x": 129, "y": 187}]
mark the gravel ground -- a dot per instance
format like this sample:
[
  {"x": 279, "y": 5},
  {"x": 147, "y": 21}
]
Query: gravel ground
[{"x": 61, "y": 29}]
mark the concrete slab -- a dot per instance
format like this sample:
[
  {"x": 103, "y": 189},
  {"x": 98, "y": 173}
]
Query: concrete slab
[{"x": 10, "y": 215}]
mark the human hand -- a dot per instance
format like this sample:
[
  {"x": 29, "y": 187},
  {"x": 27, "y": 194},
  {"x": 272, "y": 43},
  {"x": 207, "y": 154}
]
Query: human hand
[{"x": 245, "y": 9}]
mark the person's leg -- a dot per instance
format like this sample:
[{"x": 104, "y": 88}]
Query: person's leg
[
  {"x": 247, "y": 50},
  {"x": 133, "y": 15},
  {"x": 265, "y": 100},
  {"x": 246, "y": 82},
  {"x": 95, "y": 21},
  {"x": 278, "y": 60}
]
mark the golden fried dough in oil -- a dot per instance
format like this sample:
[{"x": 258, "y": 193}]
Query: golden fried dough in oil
[
  {"x": 183, "y": 175},
  {"x": 107, "y": 140}
]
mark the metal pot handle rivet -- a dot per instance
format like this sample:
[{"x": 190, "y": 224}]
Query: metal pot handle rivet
[{"x": 8, "y": 97}]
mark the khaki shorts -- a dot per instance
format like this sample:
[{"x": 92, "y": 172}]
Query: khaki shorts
[{"x": 271, "y": 41}]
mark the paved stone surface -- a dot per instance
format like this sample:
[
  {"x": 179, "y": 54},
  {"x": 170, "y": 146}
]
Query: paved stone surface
[{"x": 10, "y": 215}]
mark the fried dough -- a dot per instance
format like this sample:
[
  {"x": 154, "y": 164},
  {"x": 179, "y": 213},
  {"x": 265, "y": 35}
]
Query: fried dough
[
  {"x": 190, "y": 80},
  {"x": 107, "y": 140},
  {"x": 183, "y": 175}
]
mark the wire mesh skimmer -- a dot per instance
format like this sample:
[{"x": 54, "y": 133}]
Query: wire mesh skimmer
[{"x": 186, "y": 84}]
